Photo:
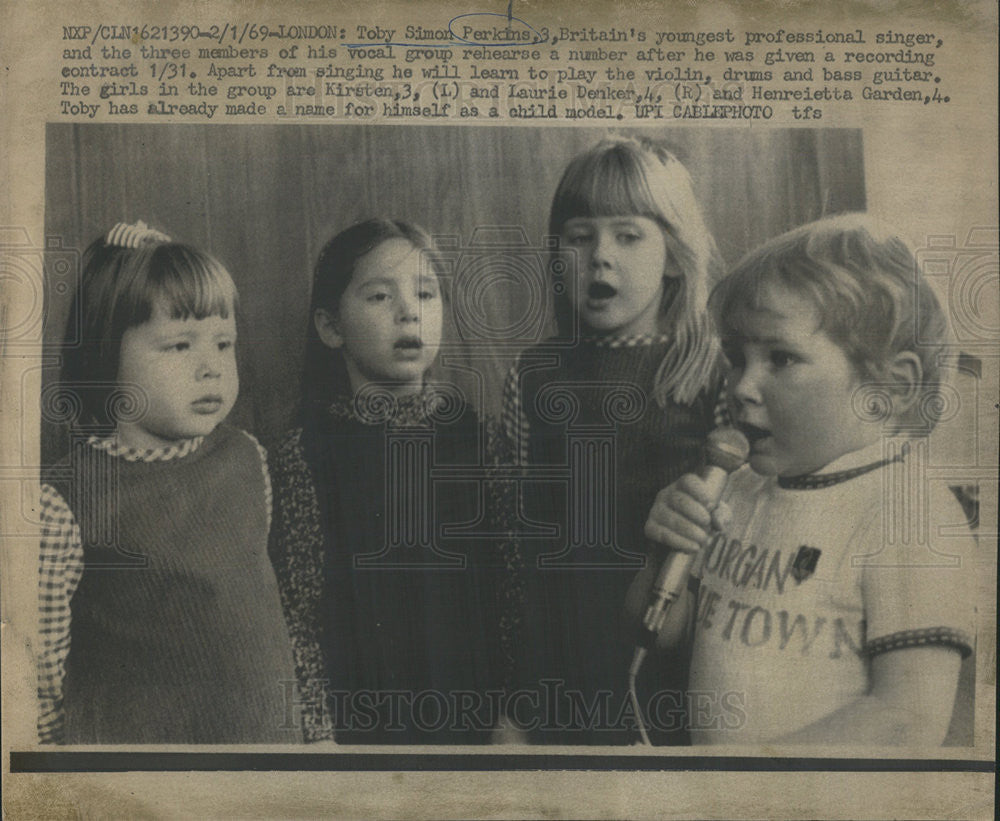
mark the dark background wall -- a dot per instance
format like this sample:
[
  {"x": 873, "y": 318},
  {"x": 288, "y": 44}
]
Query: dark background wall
[{"x": 264, "y": 199}]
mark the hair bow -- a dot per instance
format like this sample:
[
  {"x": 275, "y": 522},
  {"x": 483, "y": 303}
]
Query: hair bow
[{"x": 125, "y": 235}]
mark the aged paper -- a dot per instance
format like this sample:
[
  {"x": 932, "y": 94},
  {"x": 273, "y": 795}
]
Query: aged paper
[{"x": 258, "y": 130}]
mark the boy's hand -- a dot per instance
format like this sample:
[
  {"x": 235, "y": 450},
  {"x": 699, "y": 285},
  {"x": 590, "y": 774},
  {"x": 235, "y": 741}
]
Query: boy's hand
[{"x": 681, "y": 517}]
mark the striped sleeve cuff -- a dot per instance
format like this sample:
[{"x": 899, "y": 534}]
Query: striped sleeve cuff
[{"x": 926, "y": 637}]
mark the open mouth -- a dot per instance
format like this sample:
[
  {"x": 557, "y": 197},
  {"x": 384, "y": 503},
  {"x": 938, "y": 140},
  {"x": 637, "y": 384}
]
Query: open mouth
[
  {"x": 753, "y": 433},
  {"x": 408, "y": 343},
  {"x": 207, "y": 404},
  {"x": 600, "y": 292}
]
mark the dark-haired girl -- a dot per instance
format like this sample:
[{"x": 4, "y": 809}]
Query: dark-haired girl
[{"x": 392, "y": 603}]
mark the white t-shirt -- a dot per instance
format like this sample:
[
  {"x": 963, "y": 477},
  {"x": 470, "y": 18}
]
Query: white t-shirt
[{"x": 804, "y": 585}]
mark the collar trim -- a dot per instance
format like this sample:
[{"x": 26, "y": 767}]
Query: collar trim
[
  {"x": 818, "y": 481},
  {"x": 113, "y": 447},
  {"x": 639, "y": 340}
]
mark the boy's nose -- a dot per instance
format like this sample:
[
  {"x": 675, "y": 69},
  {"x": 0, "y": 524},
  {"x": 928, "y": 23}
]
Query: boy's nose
[{"x": 744, "y": 386}]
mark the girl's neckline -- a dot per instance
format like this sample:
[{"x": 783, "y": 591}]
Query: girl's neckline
[
  {"x": 635, "y": 341},
  {"x": 177, "y": 450}
]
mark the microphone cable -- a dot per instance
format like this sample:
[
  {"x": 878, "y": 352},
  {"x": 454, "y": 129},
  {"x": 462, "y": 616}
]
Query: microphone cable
[{"x": 638, "y": 657}]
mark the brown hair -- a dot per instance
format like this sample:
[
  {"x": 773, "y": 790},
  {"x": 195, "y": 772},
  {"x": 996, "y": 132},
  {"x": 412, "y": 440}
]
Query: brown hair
[{"x": 118, "y": 290}]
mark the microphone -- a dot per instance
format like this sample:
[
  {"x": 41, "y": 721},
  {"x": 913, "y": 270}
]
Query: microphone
[{"x": 725, "y": 451}]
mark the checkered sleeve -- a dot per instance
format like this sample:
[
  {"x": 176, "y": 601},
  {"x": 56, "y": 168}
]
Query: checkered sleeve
[
  {"x": 268, "y": 493},
  {"x": 512, "y": 417},
  {"x": 59, "y": 570},
  {"x": 720, "y": 412}
]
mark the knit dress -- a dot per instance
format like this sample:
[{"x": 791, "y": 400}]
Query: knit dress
[
  {"x": 177, "y": 633},
  {"x": 586, "y": 417},
  {"x": 391, "y": 575}
]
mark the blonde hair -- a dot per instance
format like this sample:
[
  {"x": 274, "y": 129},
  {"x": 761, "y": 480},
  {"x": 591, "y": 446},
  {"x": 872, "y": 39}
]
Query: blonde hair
[
  {"x": 863, "y": 280},
  {"x": 637, "y": 177}
]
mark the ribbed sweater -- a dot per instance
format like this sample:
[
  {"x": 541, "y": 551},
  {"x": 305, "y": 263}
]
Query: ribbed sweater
[{"x": 597, "y": 401}]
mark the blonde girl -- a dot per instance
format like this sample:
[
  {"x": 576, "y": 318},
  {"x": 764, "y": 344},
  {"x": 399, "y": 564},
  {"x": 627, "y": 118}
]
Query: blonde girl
[{"x": 636, "y": 362}]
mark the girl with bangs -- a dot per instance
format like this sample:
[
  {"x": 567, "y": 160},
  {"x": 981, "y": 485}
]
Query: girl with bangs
[
  {"x": 635, "y": 361},
  {"x": 160, "y": 617}
]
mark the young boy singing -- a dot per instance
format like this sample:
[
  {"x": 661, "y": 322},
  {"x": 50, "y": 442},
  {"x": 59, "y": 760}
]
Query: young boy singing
[{"x": 835, "y": 604}]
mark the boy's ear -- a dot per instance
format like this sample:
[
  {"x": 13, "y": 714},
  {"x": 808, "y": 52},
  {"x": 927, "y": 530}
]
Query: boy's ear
[
  {"x": 906, "y": 374},
  {"x": 326, "y": 326}
]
